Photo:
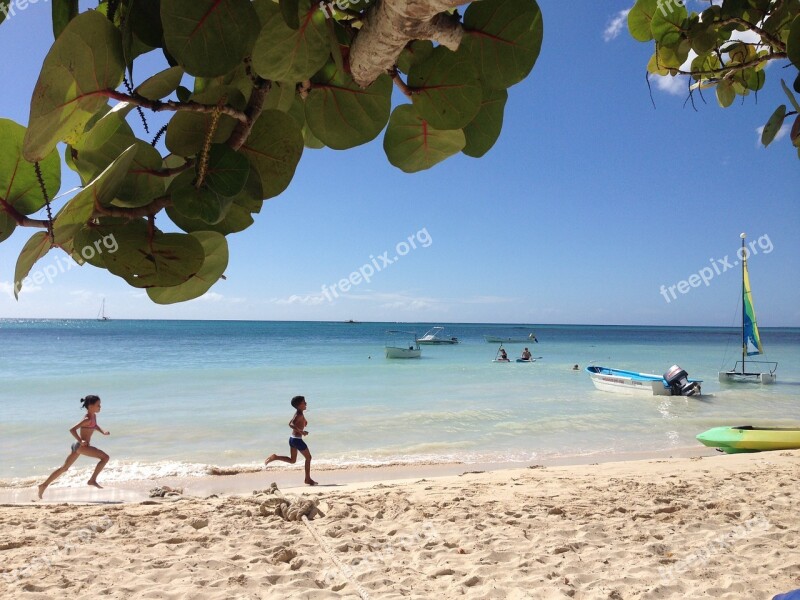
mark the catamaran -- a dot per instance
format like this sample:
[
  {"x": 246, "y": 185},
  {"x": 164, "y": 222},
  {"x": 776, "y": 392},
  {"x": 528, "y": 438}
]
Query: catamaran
[{"x": 751, "y": 340}]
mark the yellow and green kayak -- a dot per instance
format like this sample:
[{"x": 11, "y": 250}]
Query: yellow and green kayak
[{"x": 750, "y": 439}]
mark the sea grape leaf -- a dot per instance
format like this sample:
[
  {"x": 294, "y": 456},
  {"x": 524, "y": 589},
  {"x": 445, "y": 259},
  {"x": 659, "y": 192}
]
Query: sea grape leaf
[
  {"x": 416, "y": 52},
  {"x": 773, "y": 126},
  {"x": 100, "y": 146},
  {"x": 483, "y": 131},
  {"x": 341, "y": 114},
  {"x": 310, "y": 140},
  {"x": 639, "y": 19},
  {"x": 7, "y": 225},
  {"x": 197, "y": 203},
  {"x": 215, "y": 247},
  {"x": 504, "y": 37},
  {"x": 154, "y": 260},
  {"x": 667, "y": 23},
  {"x": 725, "y": 93},
  {"x": 18, "y": 183},
  {"x": 795, "y": 132},
  {"x": 63, "y": 12},
  {"x": 186, "y": 131},
  {"x": 209, "y": 37},
  {"x": 281, "y": 96},
  {"x": 790, "y": 96},
  {"x": 227, "y": 170},
  {"x": 447, "y": 92},
  {"x": 290, "y": 10},
  {"x": 85, "y": 60},
  {"x": 274, "y": 148},
  {"x": 33, "y": 250},
  {"x": 412, "y": 145},
  {"x": 101, "y": 191},
  {"x": 144, "y": 18},
  {"x": 237, "y": 217},
  {"x": 140, "y": 186},
  {"x": 793, "y": 42},
  {"x": 285, "y": 54},
  {"x": 161, "y": 84}
]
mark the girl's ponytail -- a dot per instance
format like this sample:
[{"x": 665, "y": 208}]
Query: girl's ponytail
[{"x": 89, "y": 400}]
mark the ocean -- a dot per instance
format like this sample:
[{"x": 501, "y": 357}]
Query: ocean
[{"x": 191, "y": 397}]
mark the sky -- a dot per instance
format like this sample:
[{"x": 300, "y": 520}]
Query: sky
[{"x": 591, "y": 208}]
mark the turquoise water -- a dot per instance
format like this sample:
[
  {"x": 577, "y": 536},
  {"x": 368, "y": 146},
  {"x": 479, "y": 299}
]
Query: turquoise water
[{"x": 179, "y": 396}]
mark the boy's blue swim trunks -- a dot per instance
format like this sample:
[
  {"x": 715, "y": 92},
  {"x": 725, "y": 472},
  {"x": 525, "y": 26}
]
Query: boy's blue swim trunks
[{"x": 297, "y": 443}]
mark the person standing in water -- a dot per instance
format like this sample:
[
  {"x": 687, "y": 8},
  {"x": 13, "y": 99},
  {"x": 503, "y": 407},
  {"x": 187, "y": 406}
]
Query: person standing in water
[
  {"x": 298, "y": 425},
  {"x": 86, "y": 427}
]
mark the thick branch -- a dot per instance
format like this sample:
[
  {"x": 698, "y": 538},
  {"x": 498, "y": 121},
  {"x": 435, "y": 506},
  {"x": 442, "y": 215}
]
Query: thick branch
[
  {"x": 23, "y": 220},
  {"x": 765, "y": 35},
  {"x": 391, "y": 24},
  {"x": 733, "y": 68},
  {"x": 158, "y": 106},
  {"x": 401, "y": 85},
  {"x": 253, "y": 110}
]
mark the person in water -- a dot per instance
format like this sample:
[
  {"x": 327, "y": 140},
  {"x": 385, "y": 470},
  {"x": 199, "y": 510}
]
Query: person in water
[
  {"x": 503, "y": 355},
  {"x": 87, "y": 427},
  {"x": 298, "y": 425},
  {"x": 526, "y": 354}
]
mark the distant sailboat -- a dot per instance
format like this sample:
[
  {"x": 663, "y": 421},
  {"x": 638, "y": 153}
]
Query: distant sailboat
[
  {"x": 751, "y": 340},
  {"x": 102, "y": 314}
]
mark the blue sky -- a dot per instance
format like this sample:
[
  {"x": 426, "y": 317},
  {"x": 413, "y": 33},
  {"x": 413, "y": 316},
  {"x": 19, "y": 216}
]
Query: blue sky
[{"x": 590, "y": 202}]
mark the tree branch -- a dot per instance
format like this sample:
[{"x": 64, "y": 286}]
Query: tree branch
[
  {"x": 158, "y": 106},
  {"x": 252, "y": 111},
  {"x": 724, "y": 71},
  {"x": 23, "y": 220},
  {"x": 398, "y": 81},
  {"x": 147, "y": 210},
  {"x": 390, "y": 24},
  {"x": 765, "y": 35}
]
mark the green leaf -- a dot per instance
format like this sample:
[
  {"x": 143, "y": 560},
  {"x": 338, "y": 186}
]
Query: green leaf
[
  {"x": 215, "y": 247},
  {"x": 157, "y": 260},
  {"x": 790, "y": 95},
  {"x": 484, "y": 129},
  {"x": 343, "y": 115},
  {"x": 161, "y": 84},
  {"x": 285, "y": 54},
  {"x": 7, "y": 225},
  {"x": 237, "y": 217},
  {"x": 34, "y": 249},
  {"x": 795, "y": 132},
  {"x": 290, "y": 12},
  {"x": 198, "y": 204},
  {"x": 274, "y": 148},
  {"x": 186, "y": 131},
  {"x": 639, "y": 19},
  {"x": 773, "y": 126},
  {"x": 412, "y": 145},
  {"x": 725, "y": 93},
  {"x": 140, "y": 186},
  {"x": 281, "y": 96},
  {"x": 19, "y": 185},
  {"x": 63, "y": 12},
  {"x": 75, "y": 213},
  {"x": 227, "y": 170},
  {"x": 209, "y": 37},
  {"x": 416, "y": 52},
  {"x": 446, "y": 89},
  {"x": 100, "y": 145},
  {"x": 85, "y": 60},
  {"x": 504, "y": 37},
  {"x": 144, "y": 17},
  {"x": 667, "y": 23}
]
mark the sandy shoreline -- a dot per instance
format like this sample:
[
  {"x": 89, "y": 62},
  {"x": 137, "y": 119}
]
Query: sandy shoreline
[{"x": 717, "y": 527}]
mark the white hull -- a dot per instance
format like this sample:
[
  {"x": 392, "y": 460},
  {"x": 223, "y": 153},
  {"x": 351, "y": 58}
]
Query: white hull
[
  {"x": 736, "y": 377},
  {"x": 393, "y": 352},
  {"x": 628, "y": 386}
]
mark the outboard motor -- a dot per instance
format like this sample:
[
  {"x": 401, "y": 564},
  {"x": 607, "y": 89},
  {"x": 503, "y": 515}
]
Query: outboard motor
[{"x": 678, "y": 381}]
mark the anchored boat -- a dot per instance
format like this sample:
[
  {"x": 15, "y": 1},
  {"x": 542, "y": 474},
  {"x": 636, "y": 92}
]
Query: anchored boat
[
  {"x": 394, "y": 350},
  {"x": 747, "y": 438},
  {"x": 751, "y": 340},
  {"x": 434, "y": 337},
  {"x": 675, "y": 382}
]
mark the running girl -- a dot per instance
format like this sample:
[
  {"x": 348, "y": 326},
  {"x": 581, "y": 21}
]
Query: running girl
[
  {"x": 86, "y": 427},
  {"x": 298, "y": 425}
]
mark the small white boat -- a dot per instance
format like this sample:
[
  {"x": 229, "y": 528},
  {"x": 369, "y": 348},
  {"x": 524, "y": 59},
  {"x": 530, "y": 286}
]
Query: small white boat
[
  {"x": 394, "y": 350},
  {"x": 493, "y": 339},
  {"x": 674, "y": 382},
  {"x": 434, "y": 337},
  {"x": 751, "y": 339}
]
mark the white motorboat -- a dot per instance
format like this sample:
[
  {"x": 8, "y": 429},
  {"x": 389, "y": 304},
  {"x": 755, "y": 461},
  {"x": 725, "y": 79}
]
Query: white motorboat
[
  {"x": 434, "y": 337},
  {"x": 674, "y": 382},
  {"x": 395, "y": 350}
]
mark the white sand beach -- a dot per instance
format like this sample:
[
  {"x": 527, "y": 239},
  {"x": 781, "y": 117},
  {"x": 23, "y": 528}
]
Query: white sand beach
[{"x": 713, "y": 527}]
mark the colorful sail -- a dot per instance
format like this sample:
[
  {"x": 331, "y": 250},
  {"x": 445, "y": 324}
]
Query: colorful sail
[{"x": 751, "y": 341}]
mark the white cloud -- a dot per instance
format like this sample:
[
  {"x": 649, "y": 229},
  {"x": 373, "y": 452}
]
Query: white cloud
[
  {"x": 305, "y": 300},
  {"x": 616, "y": 25},
  {"x": 7, "y": 288},
  {"x": 677, "y": 86}
]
